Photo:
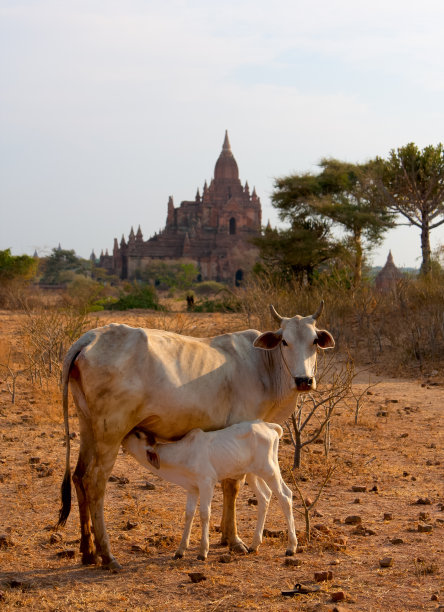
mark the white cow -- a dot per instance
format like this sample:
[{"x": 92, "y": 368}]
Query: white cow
[
  {"x": 201, "y": 459},
  {"x": 122, "y": 378}
]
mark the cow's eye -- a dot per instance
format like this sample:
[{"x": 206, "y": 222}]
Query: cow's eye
[{"x": 284, "y": 343}]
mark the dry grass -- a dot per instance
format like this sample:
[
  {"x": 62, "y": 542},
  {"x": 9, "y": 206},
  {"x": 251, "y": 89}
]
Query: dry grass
[{"x": 373, "y": 453}]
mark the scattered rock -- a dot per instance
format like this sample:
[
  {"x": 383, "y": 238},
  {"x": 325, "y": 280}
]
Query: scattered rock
[
  {"x": 397, "y": 541},
  {"x": 386, "y": 562},
  {"x": 5, "y": 541},
  {"x": 357, "y": 500},
  {"x": 363, "y": 531},
  {"x": 335, "y": 562},
  {"x": 227, "y": 558},
  {"x": 435, "y": 597},
  {"x": 424, "y": 516},
  {"x": 375, "y": 489},
  {"x": 388, "y": 516},
  {"x": 55, "y": 538},
  {"x": 196, "y": 576},
  {"x": 308, "y": 501},
  {"x": 405, "y": 474},
  {"x": 424, "y": 528},
  {"x": 121, "y": 480},
  {"x": 273, "y": 533},
  {"x": 340, "y": 543},
  {"x": 404, "y": 435},
  {"x": 135, "y": 548},
  {"x": 382, "y": 413},
  {"x": 149, "y": 486},
  {"x": 34, "y": 460},
  {"x": 43, "y": 471},
  {"x": 323, "y": 576},
  {"x": 130, "y": 525},
  {"x": 292, "y": 562},
  {"x": 252, "y": 501},
  {"x": 68, "y": 553},
  {"x": 359, "y": 488},
  {"x": 353, "y": 519},
  {"x": 423, "y": 501},
  {"x": 338, "y": 596}
]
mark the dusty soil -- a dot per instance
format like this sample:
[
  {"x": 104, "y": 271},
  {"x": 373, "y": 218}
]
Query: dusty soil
[{"x": 397, "y": 456}]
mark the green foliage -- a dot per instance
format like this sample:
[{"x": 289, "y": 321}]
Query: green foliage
[
  {"x": 224, "y": 303},
  {"x": 170, "y": 274},
  {"x": 411, "y": 183},
  {"x": 138, "y": 296},
  {"x": 21, "y": 267},
  {"x": 342, "y": 195},
  {"x": 206, "y": 288},
  {"x": 62, "y": 266},
  {"x": 298, "y": 252}
]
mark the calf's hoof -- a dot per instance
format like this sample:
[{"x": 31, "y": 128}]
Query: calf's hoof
[
  {"x": 112, "y": 566},
  {"x": 252, "y": 551},
  {"x": 289, "y": 552},
  {"x": 178, "y": 555},
  {"x": 201, "y": 557}
]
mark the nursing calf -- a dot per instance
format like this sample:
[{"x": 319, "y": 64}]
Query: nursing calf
[{"x": 201, "y": 459}]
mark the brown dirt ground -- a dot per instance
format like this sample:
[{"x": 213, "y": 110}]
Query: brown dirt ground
[{"x": 400, "y": 454}]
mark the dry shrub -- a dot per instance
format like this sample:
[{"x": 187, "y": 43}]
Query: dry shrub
[
  {"x": 402, "y": 329},
  {"x": 45, "y": 335}
]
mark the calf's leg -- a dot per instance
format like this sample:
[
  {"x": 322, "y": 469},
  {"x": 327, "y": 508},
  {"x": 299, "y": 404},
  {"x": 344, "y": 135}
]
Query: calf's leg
[
  {"x": 230, "y": 490},
  {"x": 263, "y": 495},
  {"x": 189, "y": 516},
  {"x": 285, "y": 498},
  {"x": 206, "y": 495}
]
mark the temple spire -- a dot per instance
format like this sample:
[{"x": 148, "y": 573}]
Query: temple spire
[{"x": 226, "y": 146}]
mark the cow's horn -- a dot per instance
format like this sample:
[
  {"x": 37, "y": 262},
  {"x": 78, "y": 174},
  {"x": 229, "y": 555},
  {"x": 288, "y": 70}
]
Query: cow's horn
[
  {"x": 277, "y": 317},
  {"x": 318, "y": 313}
]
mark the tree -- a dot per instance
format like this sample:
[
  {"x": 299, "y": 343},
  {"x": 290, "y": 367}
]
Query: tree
[
  {"x": 299, "y": 251},
  {"x": 62, "y": 265},
  {"x": 343, "y": 193},
  {"x": 13, "y": 267},
  {"x": 411, "y": 183},
  {"x": 15, "y": 272}
]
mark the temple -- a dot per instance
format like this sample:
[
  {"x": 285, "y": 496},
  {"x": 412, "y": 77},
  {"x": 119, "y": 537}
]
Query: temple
[{"x": 213, "y": 230}]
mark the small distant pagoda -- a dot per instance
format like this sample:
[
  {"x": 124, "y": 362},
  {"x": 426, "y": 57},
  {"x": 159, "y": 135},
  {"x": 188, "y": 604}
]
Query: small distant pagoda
[
  {"x": 389, "y": 276},
  {"x": 214, "y": 230}
]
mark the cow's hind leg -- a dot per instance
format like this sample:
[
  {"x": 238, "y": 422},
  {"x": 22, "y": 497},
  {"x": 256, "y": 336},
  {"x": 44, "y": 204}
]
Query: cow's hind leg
[
  {"x": 263, "y": 496},
  {"x": 230, "y": 490},
  {"x": 87, "y": 547},
  {"x": 94, "y": 481}
]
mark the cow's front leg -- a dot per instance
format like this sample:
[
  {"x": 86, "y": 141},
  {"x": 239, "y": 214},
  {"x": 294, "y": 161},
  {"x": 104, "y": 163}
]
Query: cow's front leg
[{"x": 230, "y": 490}]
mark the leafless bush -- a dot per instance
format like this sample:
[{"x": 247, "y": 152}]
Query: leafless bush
[
  {"x": 11, "y": 372},
  {"x": 45, "y": 335},
  {"x": 316, "y": 409}
]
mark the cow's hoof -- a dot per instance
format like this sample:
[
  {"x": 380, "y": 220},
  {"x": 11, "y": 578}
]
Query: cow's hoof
[
  {"x": 252, "y": 551},
  {"x": 90, "y": 558},
  {"x": 201, "y": 557},
  {"x": 112, "y": 566},
  {"x": 178, "y": 555},
  {"x": 289, "y": 552},
  {"x": 239, "y": 548}
]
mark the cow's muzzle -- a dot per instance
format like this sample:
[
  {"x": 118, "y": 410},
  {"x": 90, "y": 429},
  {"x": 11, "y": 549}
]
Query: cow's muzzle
[{"x": 305, "y": 383}]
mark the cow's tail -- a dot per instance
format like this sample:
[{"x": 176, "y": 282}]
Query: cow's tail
[{"x": 66, "y": 483}]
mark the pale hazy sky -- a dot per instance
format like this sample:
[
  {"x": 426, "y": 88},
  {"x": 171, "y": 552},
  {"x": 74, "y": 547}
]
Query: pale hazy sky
[{"x": 108, "y": 107}]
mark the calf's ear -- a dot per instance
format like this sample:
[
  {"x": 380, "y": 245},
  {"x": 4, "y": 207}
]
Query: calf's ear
[
  {"x": 268, "y": 340},
  {"x": 325, "y": 339}
]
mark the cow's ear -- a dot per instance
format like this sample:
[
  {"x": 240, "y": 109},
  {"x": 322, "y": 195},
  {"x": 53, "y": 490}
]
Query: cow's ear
[
  {"x": 153, "y": 458},
  {"x": 325, "y": 339},
  {"x": 268, "y": 340}
]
